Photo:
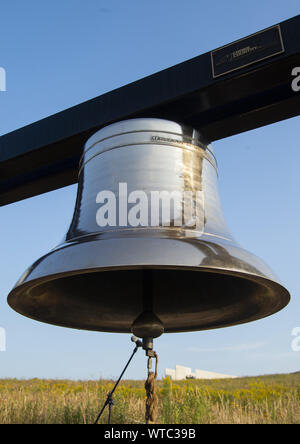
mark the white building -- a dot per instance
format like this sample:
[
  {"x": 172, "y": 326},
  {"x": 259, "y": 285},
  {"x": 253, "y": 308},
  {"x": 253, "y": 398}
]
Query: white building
[{"x": 182, "y": 372}]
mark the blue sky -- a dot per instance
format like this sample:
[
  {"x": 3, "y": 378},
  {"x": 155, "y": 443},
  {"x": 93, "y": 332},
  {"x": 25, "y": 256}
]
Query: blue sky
[{"x": 60, "y": 53}]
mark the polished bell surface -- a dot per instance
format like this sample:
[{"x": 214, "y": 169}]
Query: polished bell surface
[{"x": 148, "y": 236}]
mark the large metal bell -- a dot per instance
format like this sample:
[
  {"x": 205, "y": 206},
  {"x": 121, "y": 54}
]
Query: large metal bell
[{"x": 148, "y": 249}]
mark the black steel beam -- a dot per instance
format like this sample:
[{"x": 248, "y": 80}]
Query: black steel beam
[{"x": 44, "y": 156}]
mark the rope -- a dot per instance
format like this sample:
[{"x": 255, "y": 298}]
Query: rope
[{"x": 152, "y": 400}]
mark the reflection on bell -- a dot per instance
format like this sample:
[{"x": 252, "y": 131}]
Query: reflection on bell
[{"x": 148, "y": 236}]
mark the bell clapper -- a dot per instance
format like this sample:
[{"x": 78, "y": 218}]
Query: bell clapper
[{"x": 148, "y": 326}]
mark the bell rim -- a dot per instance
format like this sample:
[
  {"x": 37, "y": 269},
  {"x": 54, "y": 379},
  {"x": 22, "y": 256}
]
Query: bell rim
[{"x": 266, "y": 282}]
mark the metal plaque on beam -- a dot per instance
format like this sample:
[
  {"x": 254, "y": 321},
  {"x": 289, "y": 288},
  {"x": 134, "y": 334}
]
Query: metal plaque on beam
[{"x": 244, "y": 52}]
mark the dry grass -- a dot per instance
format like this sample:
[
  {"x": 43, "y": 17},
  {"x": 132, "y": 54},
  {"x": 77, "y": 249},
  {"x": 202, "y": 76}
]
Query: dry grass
[{"x": 271, "y": 399}]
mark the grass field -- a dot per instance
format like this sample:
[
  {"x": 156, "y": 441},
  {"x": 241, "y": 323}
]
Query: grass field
[{"x": 273, "y": 399}]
